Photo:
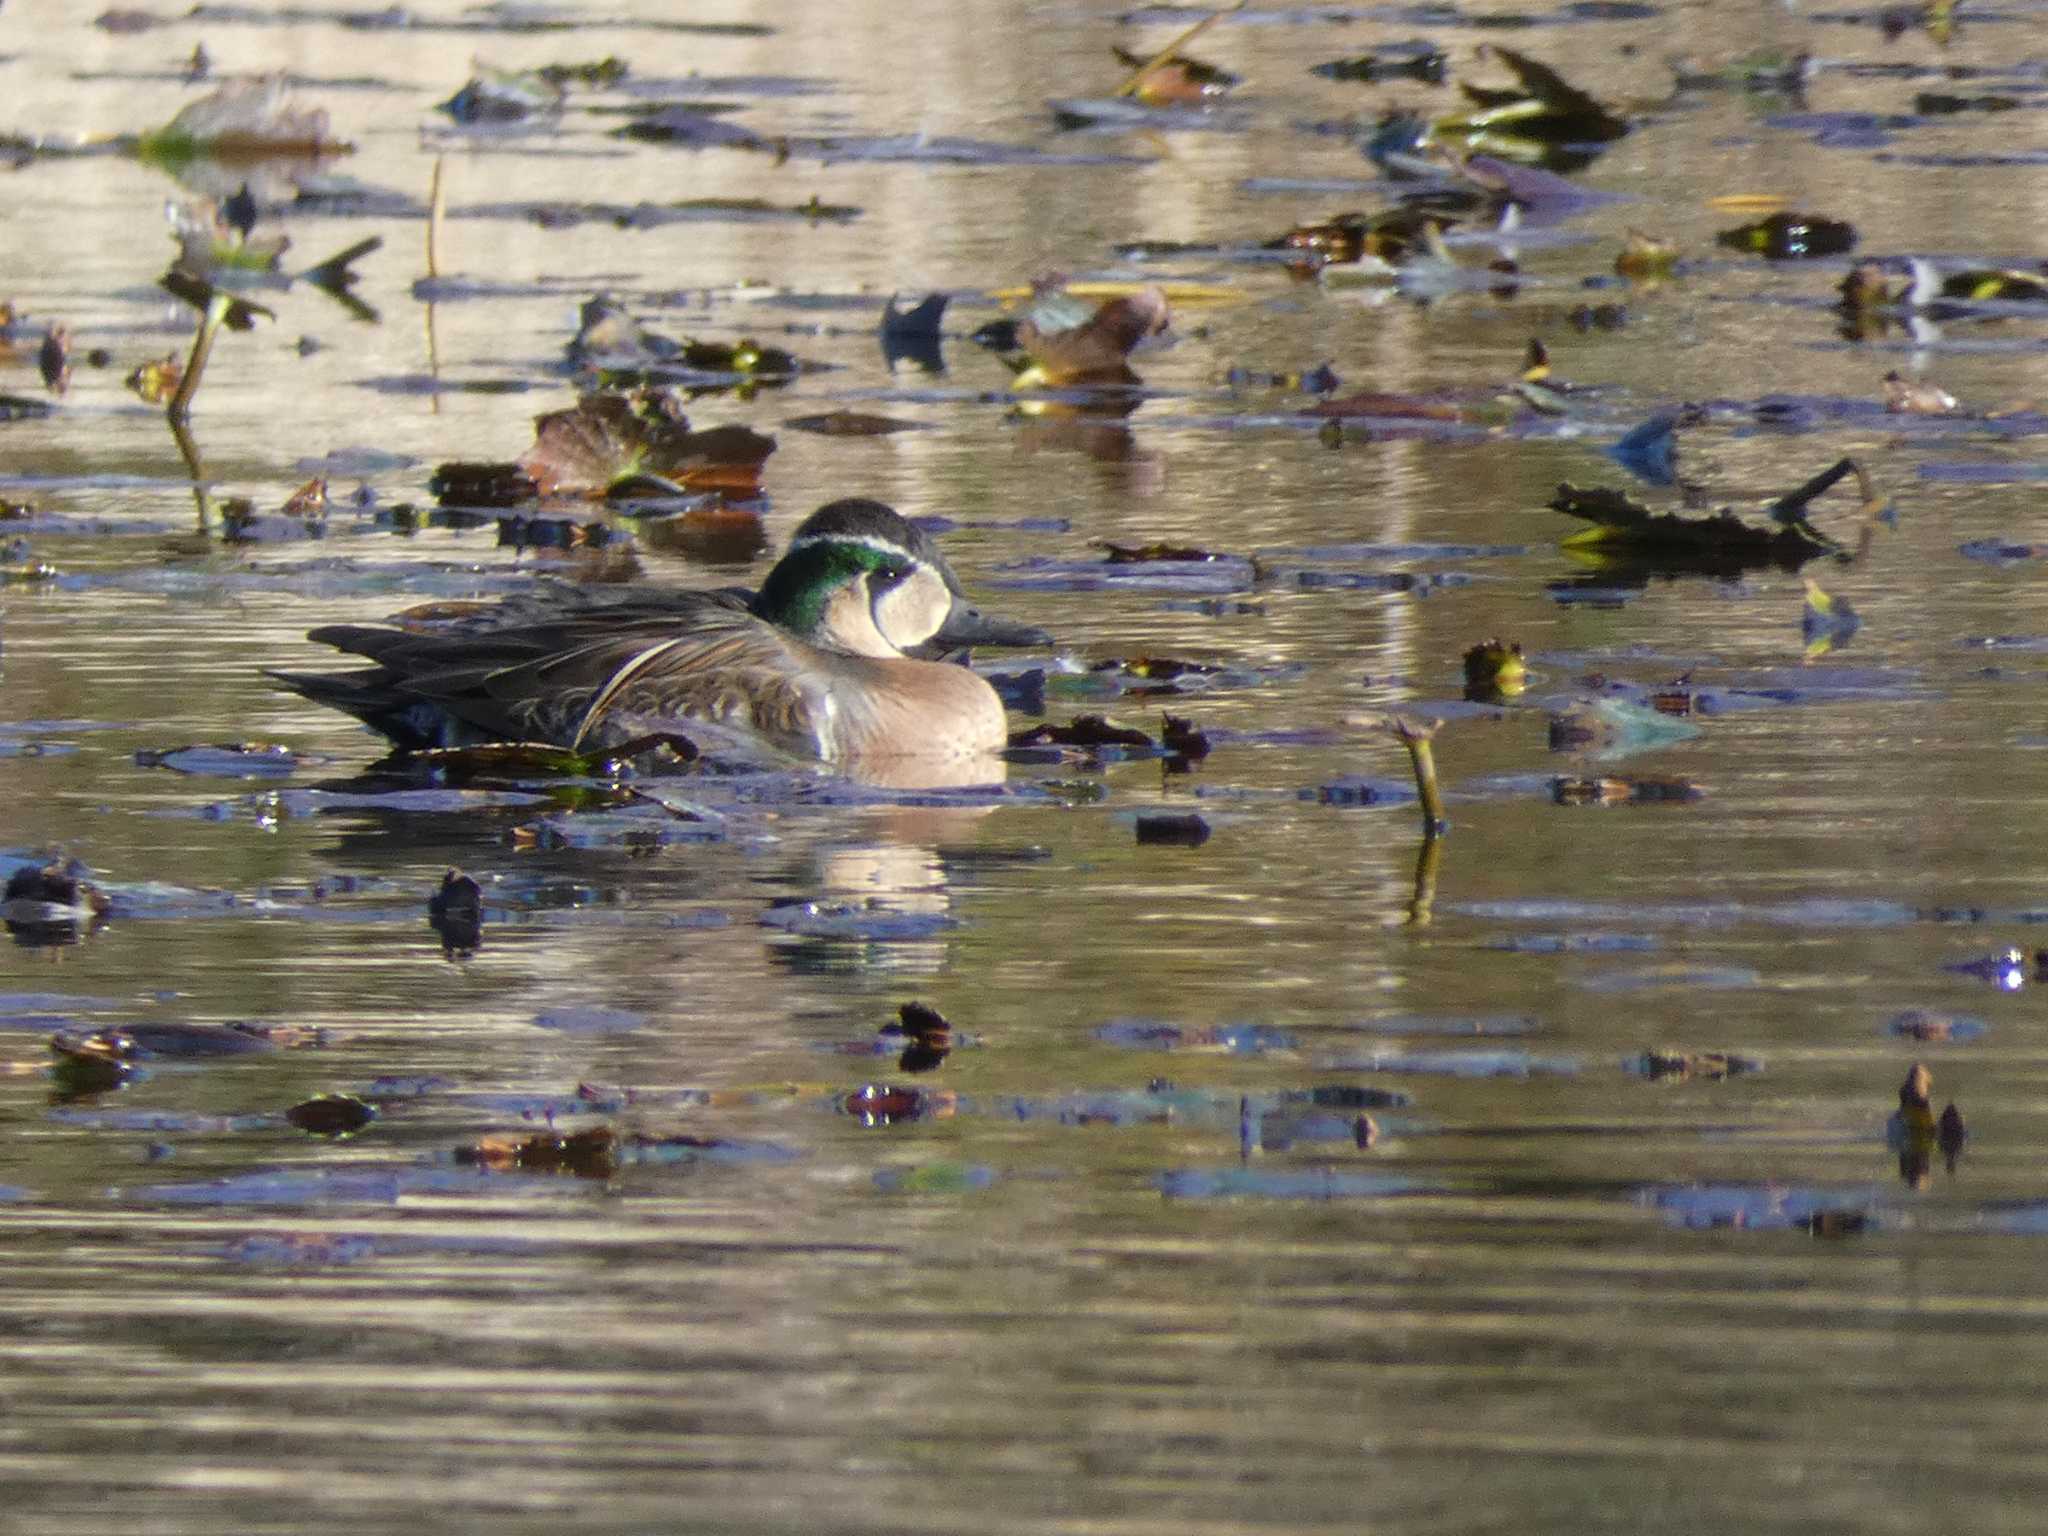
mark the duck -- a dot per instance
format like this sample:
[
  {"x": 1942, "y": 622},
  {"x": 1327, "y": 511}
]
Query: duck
[{"x": 833, "y": 659}]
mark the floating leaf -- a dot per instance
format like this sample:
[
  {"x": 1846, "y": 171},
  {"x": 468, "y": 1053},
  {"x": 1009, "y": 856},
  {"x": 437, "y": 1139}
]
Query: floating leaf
[
  {"x": 1930, "y": 1027},
  {"x": 1791, "y": 237},
  {"x": 456, "y": 913},
  {"x": 331, "y": 1114},
  {"x": 1175, "y": 80},
  {"x": 1538, "y": 120},
  {"x": 1090, "y": 731},
  {"x": 243, "y": 119},
  {"x": 1646, "y": 259},
  {"x": 1678, "y": 1066},
  {"x": 1624, "y": 791},
  {"x": 879, "y": 1104},
  {"x": 156, "y": 382},
  {"x": 610, "y": 438},
  {"x": 499, "y": 96},
  {"x": 925, "y": 1034},
  {"x": 1065, "y": 351},
  {"x": 1185, "y": 830},
  {"x": 592, "y": 1154},
  {"x": 53, "y": 358},
  {"x": 1719, "y": 542},
  {"x": 1421, "y": 61},
  {"x": 1495, "y": 670},
  {"x": 1916, "y": 397}
]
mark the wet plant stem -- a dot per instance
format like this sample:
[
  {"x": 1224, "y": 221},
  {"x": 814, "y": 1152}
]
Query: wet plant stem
[
  {"x": 437, "y": 207},
  {"x": 1416, "y": 737},
  {"x": 202, "y": 347}
]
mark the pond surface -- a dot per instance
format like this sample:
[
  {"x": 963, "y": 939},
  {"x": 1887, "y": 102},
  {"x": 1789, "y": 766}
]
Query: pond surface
[{"x": 1281, "y": 1171}]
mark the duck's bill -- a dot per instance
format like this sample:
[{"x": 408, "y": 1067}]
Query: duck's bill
[{"x": 967, "y": 625}]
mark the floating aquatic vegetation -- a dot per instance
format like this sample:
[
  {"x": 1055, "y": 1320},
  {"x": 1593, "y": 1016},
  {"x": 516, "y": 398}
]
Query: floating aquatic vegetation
[
  {"x": 1611, "y": 728},
  {"x": 1416, "y": 59},
  {"x": 334, "y": 1115},
  {"x": 496, "y": 97},
  {"x": 1665, "y": 1065},
  {"x": 912, "y": 335},
  {"x": 1826, "y": 622},
  {"x": 854, "y": 424},
  {"x": 1646, "y": 259},
  {"x": 1760, "y": 71},
  {"x": 946, "y": 1178},
  {"x": 1090, "y": 732},
  {"x": 1385, "y": 238},
  {"x": 1541, "y": 119},
  {"x": 1916, "y": 397},
  {"x": 1723, "y": 542},
  {"x": 1172, "y": 830},
  {"x": 53, "y": 359},
  {"x": 1789, "y": 236},
  {"x": 1065, "y": 346},
  {"x": 922, "y": 1033},
  {"x": 1613, "y": 791},
  {"x": 460, "y": 484},
  {"x": 1914, "y": 1134},
  {"x": 881, "y": 1104},
  {"x": 1173, "y": 77},
  {"x": 52, "y": 904},
  {"x": 155, "y": 382},
  {"x": 1765, "y": 1208},
  {"x": 1226, "y": 1039},
  {"x": 1930, "y": 1025},
  {"x": 236, "y": 760},
  {"x": 243, "y": 120},
  {"x": 456, "y": 913},
  {"x": 613, "y": 443},
  {"x": 1495, "y": 670}
]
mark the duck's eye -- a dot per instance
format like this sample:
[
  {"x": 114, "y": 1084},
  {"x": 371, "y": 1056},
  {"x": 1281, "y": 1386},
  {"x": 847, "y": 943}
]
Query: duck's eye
[{"x": 883, "y": 577}]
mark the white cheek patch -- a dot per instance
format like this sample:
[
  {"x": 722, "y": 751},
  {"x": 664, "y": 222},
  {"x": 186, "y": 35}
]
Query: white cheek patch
[{"x": 914, "y": 609}]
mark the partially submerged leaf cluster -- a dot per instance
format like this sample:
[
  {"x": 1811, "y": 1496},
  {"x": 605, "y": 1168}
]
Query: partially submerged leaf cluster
[
  {"x": 614, "y": 345},
  {"x": 1723, "y": 542},
  {"x": 244, "y": 119},
  {"x": 1541, "y": 119},
  {"x": 615, "y": 443},
  {"x": 1788, "y": 236},
  {"x": 1063, "y": 342}
]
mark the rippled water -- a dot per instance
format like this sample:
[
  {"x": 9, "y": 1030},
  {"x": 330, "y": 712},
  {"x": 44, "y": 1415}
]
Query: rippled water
[{"x": 1120, "y": 1262}]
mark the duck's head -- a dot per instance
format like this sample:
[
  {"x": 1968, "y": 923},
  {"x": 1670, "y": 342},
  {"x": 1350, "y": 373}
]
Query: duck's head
[{"x": 915, "y": 600}]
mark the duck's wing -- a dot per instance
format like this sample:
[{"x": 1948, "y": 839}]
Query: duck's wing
[
  {"x": 726, "y": 667},
  {"x": 509, "y": 680}
]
